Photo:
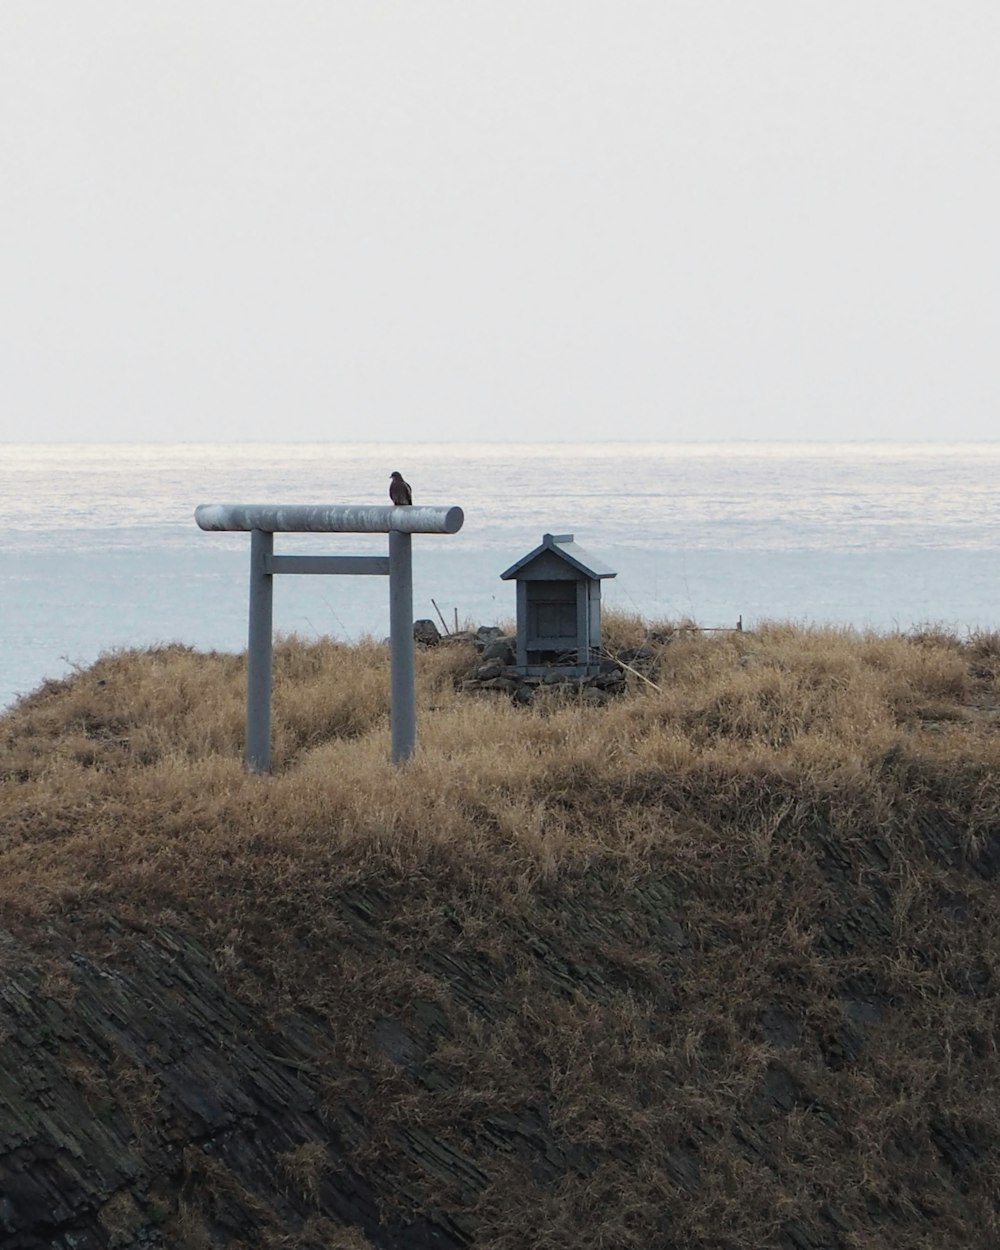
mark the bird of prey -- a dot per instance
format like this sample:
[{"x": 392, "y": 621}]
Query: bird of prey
[{"x": 399, "y": 491}]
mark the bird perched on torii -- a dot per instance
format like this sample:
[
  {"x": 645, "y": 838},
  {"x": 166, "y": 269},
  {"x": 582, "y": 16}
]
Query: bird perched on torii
[{"x": 399, "y": 491}]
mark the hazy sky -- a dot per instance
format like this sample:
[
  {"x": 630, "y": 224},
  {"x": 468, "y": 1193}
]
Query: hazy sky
[{"x": 525, "y": 219}]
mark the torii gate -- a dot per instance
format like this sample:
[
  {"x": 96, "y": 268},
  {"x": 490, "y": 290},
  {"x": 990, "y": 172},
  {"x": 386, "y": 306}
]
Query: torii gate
[{"x": 263, "y": 521}]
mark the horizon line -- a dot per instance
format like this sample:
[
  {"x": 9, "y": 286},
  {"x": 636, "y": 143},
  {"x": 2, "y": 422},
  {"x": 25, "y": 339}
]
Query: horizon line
[{"x": 486, "y": 442}]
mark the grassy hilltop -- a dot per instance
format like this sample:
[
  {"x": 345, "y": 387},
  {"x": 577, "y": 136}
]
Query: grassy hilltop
[{"x": 711, "y": 966}]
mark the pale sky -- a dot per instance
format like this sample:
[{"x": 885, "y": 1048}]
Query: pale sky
[{"x": 524, "y": 219}]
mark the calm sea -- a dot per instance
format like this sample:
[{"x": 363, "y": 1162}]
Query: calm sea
[{"x": 100, "y": 548}]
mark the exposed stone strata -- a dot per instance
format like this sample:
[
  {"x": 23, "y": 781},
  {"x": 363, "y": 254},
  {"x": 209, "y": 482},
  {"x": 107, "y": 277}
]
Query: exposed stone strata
[{"x": 146, "y": 1105}]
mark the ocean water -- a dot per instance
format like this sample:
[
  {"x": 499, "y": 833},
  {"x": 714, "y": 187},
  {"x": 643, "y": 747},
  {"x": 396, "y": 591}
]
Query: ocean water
[{"x": 100, "y": 549}]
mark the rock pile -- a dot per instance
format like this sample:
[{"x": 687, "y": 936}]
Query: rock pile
[{"x": 496, "y": 671}]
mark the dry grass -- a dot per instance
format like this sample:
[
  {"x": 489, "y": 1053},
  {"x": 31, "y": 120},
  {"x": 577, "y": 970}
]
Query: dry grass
[
  {"x": 143, "y": 751},
  {"x": 818, "y": 809}
]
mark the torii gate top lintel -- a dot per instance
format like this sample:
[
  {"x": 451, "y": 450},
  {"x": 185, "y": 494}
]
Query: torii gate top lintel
[{"x": 308, "y": 518}]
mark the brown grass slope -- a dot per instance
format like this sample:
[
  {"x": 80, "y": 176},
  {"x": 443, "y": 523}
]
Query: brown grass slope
[{"x": 712, "y": 966}]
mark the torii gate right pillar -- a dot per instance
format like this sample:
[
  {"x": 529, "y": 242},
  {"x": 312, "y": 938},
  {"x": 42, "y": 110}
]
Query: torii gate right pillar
[{"x": 402, "y": 675}]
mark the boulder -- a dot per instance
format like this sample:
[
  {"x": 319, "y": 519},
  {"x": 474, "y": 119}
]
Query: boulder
[{"x": 486, "y": 633}]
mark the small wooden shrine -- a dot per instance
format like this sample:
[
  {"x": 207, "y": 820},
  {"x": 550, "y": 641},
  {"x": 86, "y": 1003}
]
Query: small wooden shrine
[{"x": 558, "y": 607}]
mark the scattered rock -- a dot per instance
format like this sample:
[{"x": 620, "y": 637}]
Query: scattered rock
[
  {"x": 464, "y": 636},
  {"x": 611, "y": 682},
  {"x": 778, "y": 1095},
  {"x": 780, "y": 1090},
  {"x": 501, "y": 648},
  {"x": 638, "y": 657},
  {"x": 961, "y": 1144},
  {"x": 957, "y": 907},
  {"x": 844, "y": 1047},
  {"x": 506, "y": 684},
  {"x": 780, "y": 1028},
  {"x": 973, "y": 978},
  {"x": 426, "y": 633}
]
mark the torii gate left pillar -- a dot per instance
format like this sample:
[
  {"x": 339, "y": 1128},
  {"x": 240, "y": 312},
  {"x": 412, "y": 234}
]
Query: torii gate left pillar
[{"x": 263, "y": 521}]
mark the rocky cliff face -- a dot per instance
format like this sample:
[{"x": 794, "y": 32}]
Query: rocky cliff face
[{"x": 606, "y": 1060}]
